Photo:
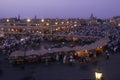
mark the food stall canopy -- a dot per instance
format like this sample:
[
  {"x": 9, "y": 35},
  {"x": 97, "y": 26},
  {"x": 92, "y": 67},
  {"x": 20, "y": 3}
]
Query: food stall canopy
[{"x": 43, "y": 51}]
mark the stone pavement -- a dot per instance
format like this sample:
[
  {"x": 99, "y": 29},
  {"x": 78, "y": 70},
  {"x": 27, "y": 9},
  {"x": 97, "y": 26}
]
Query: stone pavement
[{"x": 53, "y": 71}]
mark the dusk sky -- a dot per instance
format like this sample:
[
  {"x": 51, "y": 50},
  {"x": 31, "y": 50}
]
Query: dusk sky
[{"x": 59, "y": 8}]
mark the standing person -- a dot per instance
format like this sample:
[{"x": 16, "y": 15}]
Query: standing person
[
  {"x": 115, "y": 49},
  {"x": 94, "y": 56},
  {"x": 71, "y": 60},
  {"x": 57, "y": 58},
  {"x": 64, "y": 59},
  {"x": 107, "y": 56}
]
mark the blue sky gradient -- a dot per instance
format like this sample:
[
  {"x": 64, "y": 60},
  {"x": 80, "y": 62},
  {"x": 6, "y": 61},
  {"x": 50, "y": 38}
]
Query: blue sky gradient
[{"x": 59, "y": 8}]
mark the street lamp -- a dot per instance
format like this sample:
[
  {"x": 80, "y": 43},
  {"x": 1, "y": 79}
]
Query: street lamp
[
  {"x": 56, "y": 23},
  {"x": 98, "y": 75},
  {"x": 62, "y": 22},
  {"x": 47, "y": 24},
  {"x": 42, "y": 20},
  {"x": 28, "y": 21},
  {"x": 8, "y": 21}
]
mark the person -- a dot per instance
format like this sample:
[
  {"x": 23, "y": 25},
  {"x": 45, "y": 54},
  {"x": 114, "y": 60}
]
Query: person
[
  {"x": 94, "y": 57},
  {"x": 107, "y": 56},
  {"x": 57, "y": 58},
  {"x": 64, "y": 59},
  {"x": 71, "y": 60},
  {"x": 115, "y": 49}
]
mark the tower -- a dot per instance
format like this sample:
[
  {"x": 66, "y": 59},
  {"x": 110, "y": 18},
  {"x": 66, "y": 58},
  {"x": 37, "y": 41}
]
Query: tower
[
  {"x": 92, "y": 19},
  {"x": 18, "y": 17}
]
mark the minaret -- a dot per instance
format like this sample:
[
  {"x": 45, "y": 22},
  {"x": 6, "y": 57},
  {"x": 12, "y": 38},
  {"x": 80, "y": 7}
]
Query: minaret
[
  {"x": 92, "y": 17},
  {"x": 35, "y": 19},
  {"x": 18, "y": 17}
]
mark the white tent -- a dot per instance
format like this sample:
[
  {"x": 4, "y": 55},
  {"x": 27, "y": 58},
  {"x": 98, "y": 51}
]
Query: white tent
[
  {"x": 17, "y": 53},
  {"x": 65, "y": 49},
  {"x": 31, "y": 52},
  {"x": 99, "y": 43}
]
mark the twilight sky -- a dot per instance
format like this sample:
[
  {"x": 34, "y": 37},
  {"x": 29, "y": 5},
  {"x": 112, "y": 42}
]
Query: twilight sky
[{"x": 59, "y": 8}]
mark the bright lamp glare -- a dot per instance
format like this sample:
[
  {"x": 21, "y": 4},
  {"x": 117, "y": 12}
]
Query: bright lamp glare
[
  {"x": 28, "y": 20},
  {"x": 98, "y": 75}
]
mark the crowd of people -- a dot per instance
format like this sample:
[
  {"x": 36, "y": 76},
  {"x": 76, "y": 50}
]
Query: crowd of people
[{"x": 77, "y": 36}]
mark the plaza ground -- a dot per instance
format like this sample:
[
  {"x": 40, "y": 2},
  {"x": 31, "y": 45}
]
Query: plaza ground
[{"x": 54, "y": 71}]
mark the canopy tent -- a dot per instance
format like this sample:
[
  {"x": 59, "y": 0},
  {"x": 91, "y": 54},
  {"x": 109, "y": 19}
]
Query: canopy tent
[
  {"x": 17, "y": 54},
  {"x": 99, "y": 43},
  {"x": 31, "y": 52},
  {"x": 65, "y": 49}
]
